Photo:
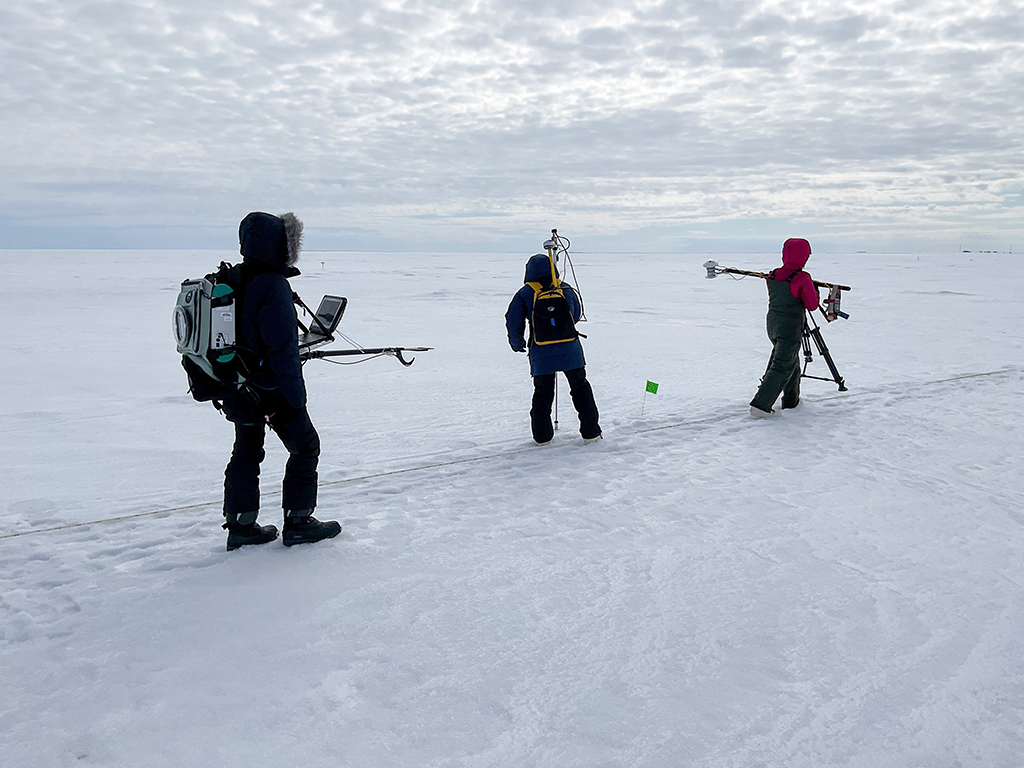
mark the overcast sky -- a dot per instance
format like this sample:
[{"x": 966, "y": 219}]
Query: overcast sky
[{"x": 479, "y": 125}]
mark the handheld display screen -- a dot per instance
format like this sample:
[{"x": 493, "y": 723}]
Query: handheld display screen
[
  {"x": 329, "y": 313},
  {"x": 324, "y": 323}
]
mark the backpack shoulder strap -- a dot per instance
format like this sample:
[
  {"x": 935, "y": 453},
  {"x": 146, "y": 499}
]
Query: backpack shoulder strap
[{"x": 539, "y": 288}]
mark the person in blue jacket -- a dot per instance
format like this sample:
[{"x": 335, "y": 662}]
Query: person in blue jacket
[
  {"x": 547, "y": 359},
  {"x": 267, "y": 333}
]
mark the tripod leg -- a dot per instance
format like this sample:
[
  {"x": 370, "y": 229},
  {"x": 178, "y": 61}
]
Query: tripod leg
[
  {"x": 806, "y": 343},
  {"x": 819, "y": 342}
]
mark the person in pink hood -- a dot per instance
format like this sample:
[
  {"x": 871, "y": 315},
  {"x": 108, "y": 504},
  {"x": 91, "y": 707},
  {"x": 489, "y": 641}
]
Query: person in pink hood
[{"x": 791, "y": 291}]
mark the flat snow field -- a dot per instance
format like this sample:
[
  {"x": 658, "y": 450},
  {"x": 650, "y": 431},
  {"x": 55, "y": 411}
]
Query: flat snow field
[{"x": 840, "y": 586}]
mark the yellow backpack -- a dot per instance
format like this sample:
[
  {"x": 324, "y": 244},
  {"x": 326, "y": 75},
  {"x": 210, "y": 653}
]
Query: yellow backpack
[{"x": 551, "y": 320}]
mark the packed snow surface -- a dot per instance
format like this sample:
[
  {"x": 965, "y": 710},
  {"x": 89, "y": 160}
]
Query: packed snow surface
[{"x": 838, "y": 586}]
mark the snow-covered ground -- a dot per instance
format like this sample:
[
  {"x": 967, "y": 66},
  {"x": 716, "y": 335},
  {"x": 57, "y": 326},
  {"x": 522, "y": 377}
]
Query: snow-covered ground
[{"x": 841, "y": 586}]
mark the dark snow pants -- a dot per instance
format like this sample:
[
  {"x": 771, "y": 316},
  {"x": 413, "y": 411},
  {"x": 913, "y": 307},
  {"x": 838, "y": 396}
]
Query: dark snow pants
[
  {"x": 582, "y": 399},
  {"x": 783, "y": 372},
  {"x": 242, "y": 475}
]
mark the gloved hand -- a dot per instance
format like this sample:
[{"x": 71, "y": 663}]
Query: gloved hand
[{"x": 519, "y": 347}]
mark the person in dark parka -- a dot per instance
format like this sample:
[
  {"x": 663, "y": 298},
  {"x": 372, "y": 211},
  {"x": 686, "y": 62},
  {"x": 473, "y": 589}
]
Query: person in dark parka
[
  {"x": 267, "y": 335},
  {"x": 546, "y": 360},
  {"x": 791, "y": 291}
]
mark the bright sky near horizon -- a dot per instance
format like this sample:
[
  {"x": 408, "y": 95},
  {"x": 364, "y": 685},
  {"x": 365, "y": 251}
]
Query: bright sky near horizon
[{"x": 478, "y": 125}]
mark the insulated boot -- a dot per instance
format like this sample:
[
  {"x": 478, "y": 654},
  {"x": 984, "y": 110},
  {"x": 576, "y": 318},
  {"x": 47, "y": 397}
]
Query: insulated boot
[
  {"x": 761, "y": 413},
  {"x": 251, "y": 533},
  {"x": 302, "y": 528}
]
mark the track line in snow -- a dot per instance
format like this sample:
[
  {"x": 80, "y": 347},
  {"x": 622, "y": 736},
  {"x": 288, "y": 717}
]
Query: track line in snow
[{"x": 503, "y": 454}]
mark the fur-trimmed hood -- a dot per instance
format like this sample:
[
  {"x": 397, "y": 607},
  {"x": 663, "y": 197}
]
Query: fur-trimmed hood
[{"x": 275, "y": 241}]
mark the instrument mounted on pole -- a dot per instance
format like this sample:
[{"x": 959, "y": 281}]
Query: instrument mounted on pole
[
  {"x": 830, "y": 308},
  {"x": 324, "y": 325},
  {"x": 204, "y": 327},
  {"x": 551, "y": 319}
]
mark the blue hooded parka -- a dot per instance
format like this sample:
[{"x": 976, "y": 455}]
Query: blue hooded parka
[{"x": 549, "y": 358}]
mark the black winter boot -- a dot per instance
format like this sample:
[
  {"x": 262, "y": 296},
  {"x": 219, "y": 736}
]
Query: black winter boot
[
  {"x": 252, "y": 533},
  {"x": 300, "y": 527}
]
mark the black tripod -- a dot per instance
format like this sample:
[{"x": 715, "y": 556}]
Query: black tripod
[{"x": 812, "y": 331}]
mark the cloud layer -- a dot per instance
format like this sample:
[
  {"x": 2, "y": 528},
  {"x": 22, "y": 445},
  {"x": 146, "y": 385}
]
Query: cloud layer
[{"x": 421, "y": 120}]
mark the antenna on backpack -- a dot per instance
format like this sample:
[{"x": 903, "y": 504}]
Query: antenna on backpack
[
  {"x": 558, "y": 245},
  {"x": 552, "y": 247}
]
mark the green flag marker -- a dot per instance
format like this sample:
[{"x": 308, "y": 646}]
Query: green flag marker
[{"x": 652, "y": 387}]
